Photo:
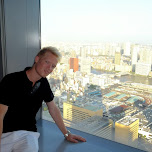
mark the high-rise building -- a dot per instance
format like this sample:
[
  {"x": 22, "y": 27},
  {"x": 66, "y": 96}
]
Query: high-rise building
[
  {"x": 146, "y": 55},
  {"x": 134, "y": 57},
  {"x": 76, "y": 113},
  {"x": 127, "y": 49},
  {"x": 74, "y": 64},
  {"x": 117, "y": 58},
  {"x": 143, "y": 69},
  {"x": 85, "y": 64},
  {"x": 126, "y": 131},
  {"x": 83, "y": 51}
]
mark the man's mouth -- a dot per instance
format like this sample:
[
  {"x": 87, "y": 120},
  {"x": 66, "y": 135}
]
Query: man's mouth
[{"x": 47, "y": 72}]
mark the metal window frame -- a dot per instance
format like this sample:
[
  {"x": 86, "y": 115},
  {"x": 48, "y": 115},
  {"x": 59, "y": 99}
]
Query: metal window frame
[{"x": 3, "y": 39}]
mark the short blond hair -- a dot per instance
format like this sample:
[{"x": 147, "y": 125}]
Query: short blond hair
[{"x": 52, "y": 50}]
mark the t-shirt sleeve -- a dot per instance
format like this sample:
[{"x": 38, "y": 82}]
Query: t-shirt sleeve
[
  {"x": 5, "y": 91},
  {"x": 49, "y": 96}
]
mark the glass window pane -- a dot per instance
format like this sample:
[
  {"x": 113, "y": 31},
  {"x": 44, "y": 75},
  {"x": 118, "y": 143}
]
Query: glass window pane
[{"x": 103, "y": 84}]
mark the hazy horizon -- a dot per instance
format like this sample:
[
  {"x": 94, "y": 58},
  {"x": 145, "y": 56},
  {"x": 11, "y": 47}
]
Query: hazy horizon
[{"x": 96, "y": 21}]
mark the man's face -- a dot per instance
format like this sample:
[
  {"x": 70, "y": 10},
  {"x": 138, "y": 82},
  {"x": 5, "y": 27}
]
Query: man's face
[{"x": 44, "y": 65}]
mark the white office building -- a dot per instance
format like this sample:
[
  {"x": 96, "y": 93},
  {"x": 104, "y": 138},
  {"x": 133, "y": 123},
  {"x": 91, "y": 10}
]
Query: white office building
[{"x": 143, "y": 69}]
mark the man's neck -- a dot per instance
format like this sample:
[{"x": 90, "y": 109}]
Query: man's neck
[{"x": 32, "y": 76}]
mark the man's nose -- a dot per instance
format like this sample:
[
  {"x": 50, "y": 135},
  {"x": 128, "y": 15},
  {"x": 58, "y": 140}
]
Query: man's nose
[{"x": 50, "y": 68}]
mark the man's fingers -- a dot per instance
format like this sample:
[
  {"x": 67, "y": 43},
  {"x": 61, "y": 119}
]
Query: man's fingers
[
  {"x": 81, "y": 138},
  {"x": 76, "y": 138},
  {"x": 74, "y": 141}
]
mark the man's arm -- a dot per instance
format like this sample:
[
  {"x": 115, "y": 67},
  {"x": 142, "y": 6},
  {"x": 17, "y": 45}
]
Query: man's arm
[
  {"x": 56, "y": 115},
  {"x": 3, "y": 110}
]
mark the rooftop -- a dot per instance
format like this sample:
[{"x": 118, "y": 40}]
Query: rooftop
[
  {"x": 110, "y": 94},
  {"x": 127, "y": 120},
  {"x": 133, "y": 99},
  {"x": 120, "y": 96}
]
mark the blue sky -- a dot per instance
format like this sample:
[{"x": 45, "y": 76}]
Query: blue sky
[{"x": 96, "y": 20}]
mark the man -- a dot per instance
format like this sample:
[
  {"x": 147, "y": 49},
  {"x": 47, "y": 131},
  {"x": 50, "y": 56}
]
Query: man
[{"x": 21, "y": 96}]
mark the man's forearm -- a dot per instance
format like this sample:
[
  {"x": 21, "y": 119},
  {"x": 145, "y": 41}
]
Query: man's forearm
[
  {"x": 56, "y": 115},
  {"x": 3, "y": 110},
  {"x": 1, "y": 129}
]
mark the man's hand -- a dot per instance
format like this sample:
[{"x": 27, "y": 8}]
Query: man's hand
[
  {"x": 56, "y": 115},
  {"x": 75, "y": 138},
  {"x": 3, "y": 110}
]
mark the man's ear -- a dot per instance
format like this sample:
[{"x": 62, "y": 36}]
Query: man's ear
[{"x": 37, "y": 59}]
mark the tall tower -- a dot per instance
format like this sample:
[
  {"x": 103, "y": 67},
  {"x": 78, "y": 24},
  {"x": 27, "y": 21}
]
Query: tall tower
[
  {"x": 85, "y": 61},
  {"x": 74, "y": 64},
  {"x": 126, "y": 131},
  {"x": 143, "y": 69},
  {"x": 127, "y": 48},
  {"x": 134, "y": 57},
  {"x": 117, "y": 58},
  {"x": 83, "y": 51},
  {"x": 146, "y": 55},
  {"x": 85, "y": 65}
]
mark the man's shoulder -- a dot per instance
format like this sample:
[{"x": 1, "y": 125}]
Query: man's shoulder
[{"x": 13, "y": 76}]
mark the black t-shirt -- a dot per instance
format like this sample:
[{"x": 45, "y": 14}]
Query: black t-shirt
[{"x": 23, "y": 100}]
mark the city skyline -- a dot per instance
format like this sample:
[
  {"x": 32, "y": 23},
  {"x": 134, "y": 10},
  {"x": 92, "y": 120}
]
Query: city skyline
[
  {"x": 115, "y": 98},
  {"x": 96, "y": 21},
  {"x": 107, "y": 70}
]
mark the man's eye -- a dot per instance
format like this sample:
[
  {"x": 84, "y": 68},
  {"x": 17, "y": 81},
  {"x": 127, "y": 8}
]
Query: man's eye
[
  {"x": 53, "y": 66},
  {"x": 46, "y": 62}
]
